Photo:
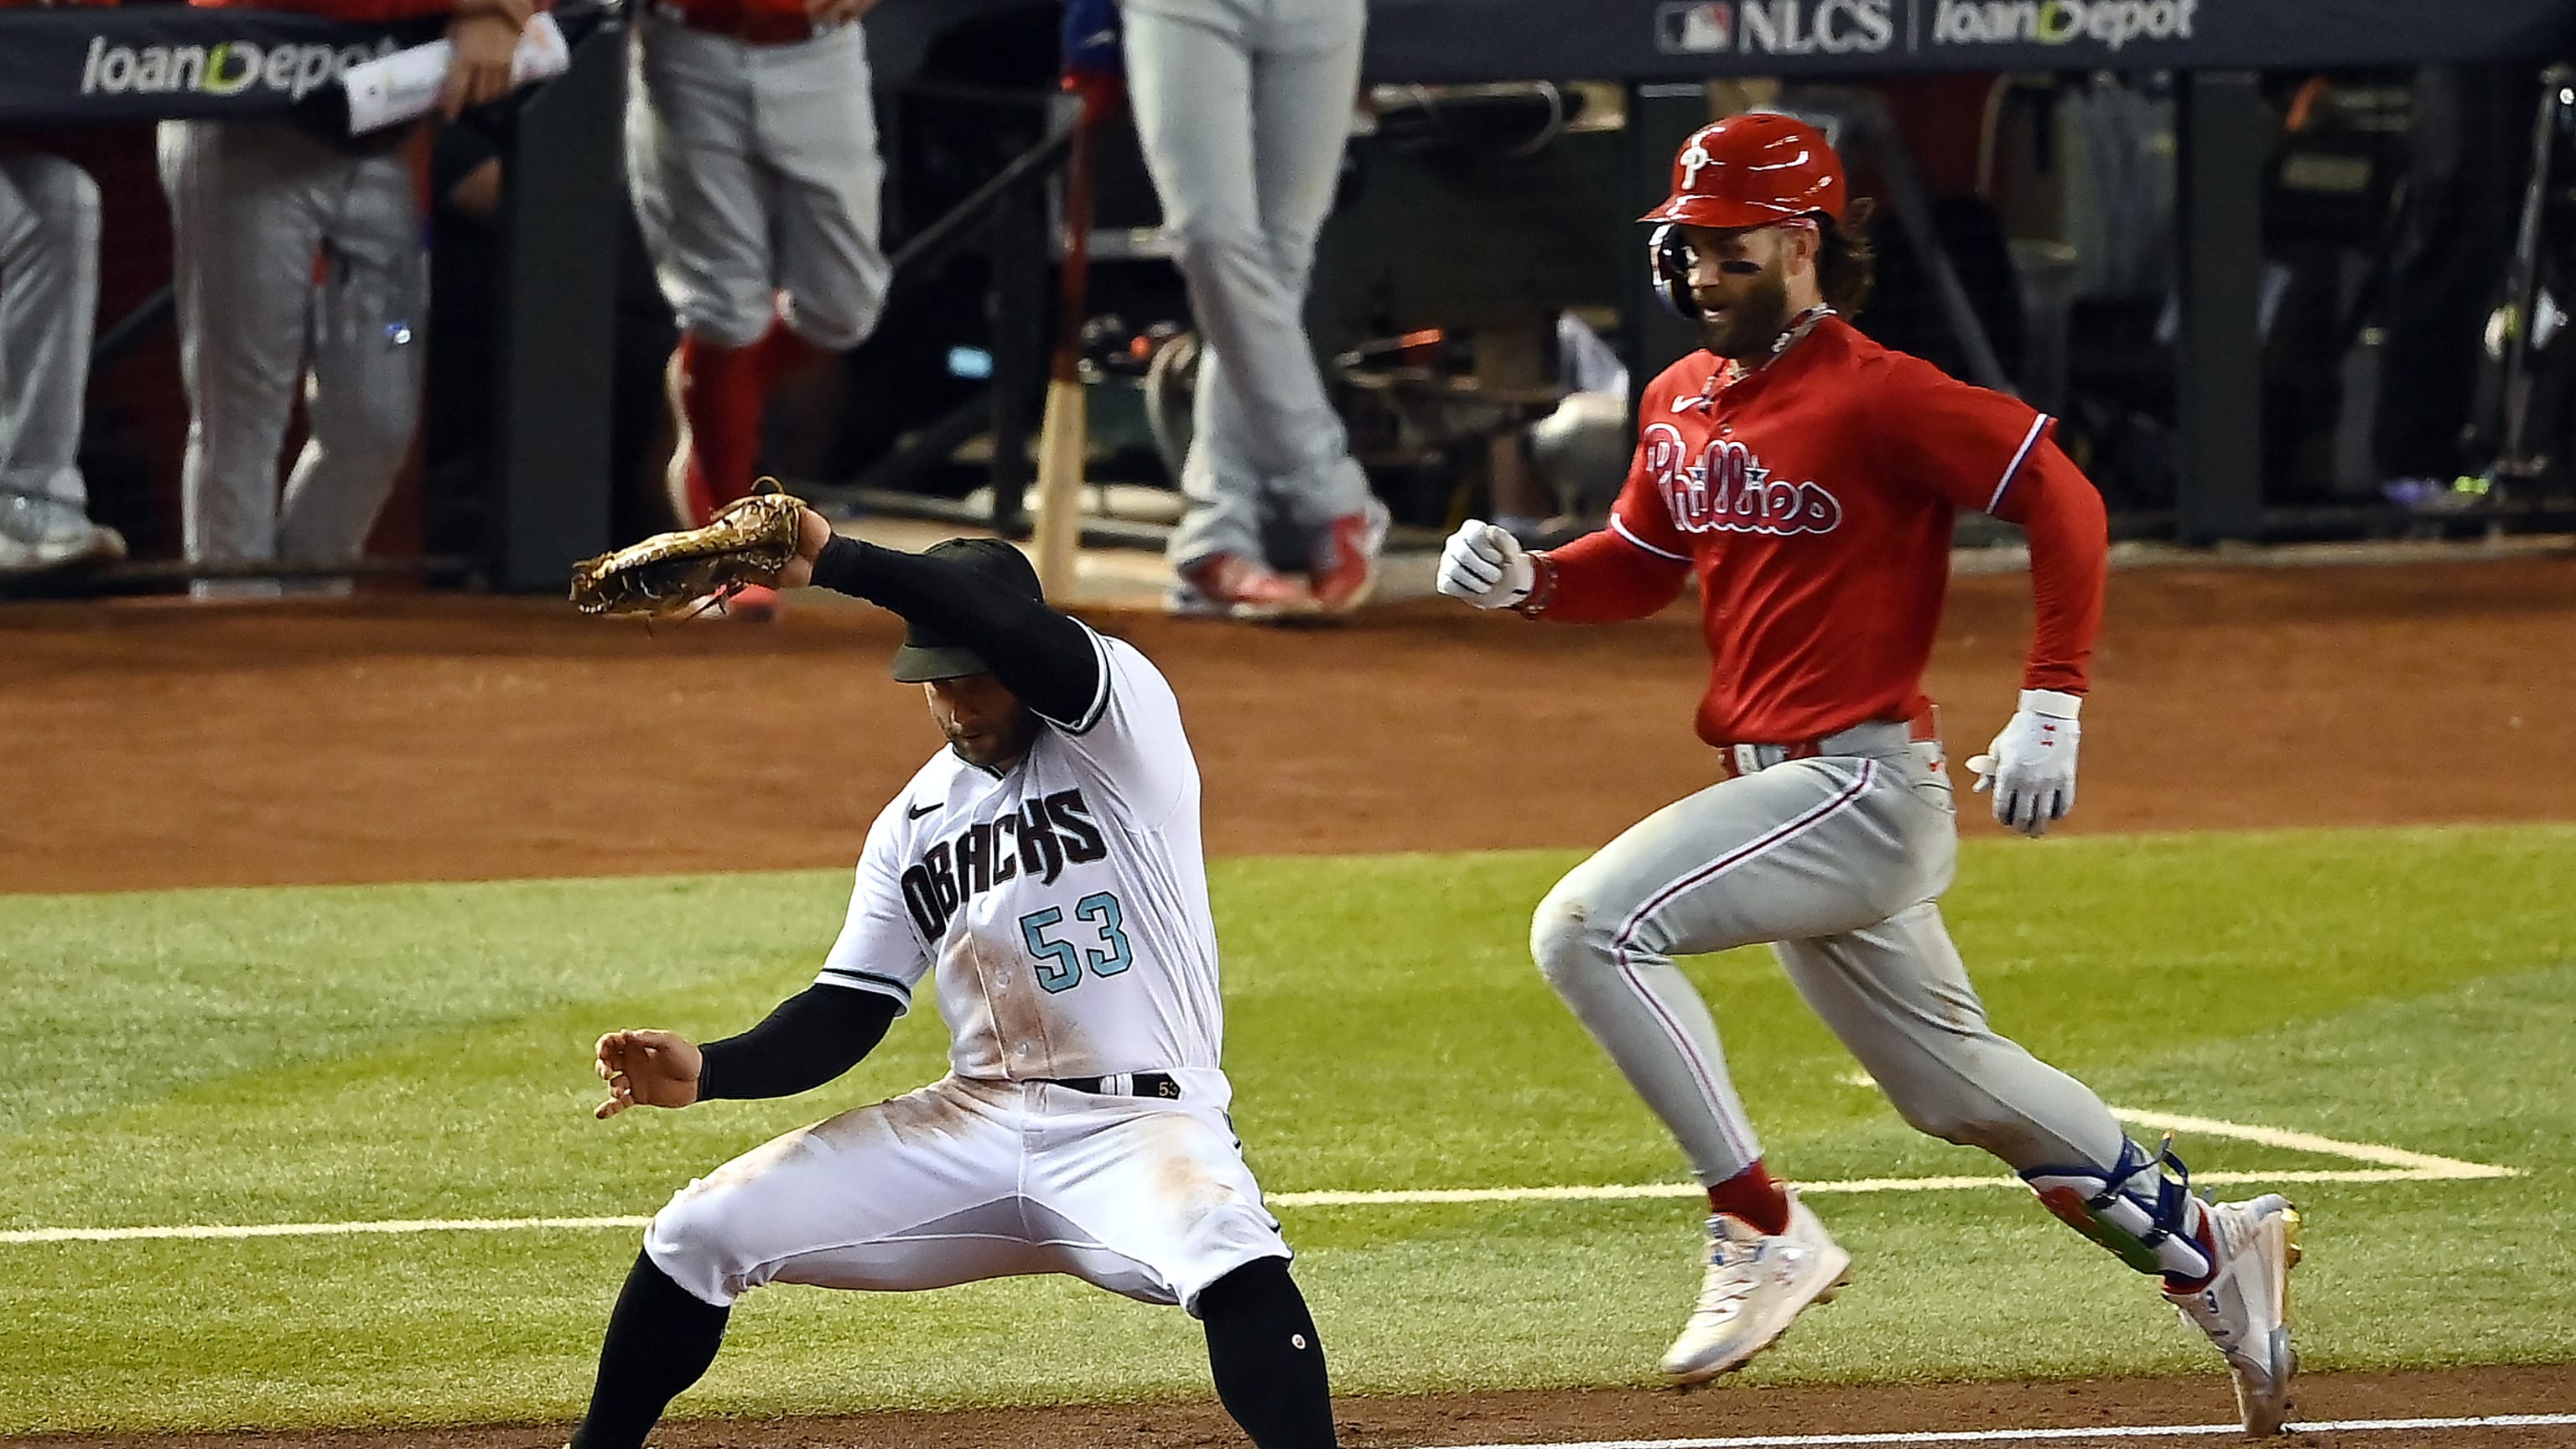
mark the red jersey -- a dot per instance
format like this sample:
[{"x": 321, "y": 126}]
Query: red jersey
[{"x": 1814, "y": 498}]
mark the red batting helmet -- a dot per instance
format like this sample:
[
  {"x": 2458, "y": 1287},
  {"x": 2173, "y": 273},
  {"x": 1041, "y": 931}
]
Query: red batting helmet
[{"x": 1752, "y": 170}]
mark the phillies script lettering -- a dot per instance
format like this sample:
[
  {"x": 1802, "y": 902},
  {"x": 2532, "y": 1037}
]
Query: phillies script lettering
[{"x": 1724, "y": 489}]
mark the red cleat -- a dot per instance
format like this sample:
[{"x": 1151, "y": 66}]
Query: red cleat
[
  {"x": 1344, "y": 566},
  {"x": 1230, "y": 586}
]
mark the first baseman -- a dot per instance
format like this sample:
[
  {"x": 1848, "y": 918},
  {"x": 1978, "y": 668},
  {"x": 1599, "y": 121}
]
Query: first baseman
[
  {"x": 1048, "y": 862},
  {"x": 1808, "y": 478}
]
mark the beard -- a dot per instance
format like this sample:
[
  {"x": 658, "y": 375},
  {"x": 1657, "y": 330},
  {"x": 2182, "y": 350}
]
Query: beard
[{"x": 1756, "y": 320}]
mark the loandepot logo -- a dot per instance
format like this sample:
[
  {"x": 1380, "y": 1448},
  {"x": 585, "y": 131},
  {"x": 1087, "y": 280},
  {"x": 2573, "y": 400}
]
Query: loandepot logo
[
  {"x": 2108, "y": 23},
  {"x": 227, "y": 68}
]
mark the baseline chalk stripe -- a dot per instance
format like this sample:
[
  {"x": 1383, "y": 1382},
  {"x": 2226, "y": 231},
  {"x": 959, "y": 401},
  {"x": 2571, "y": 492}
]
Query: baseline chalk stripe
[
  {"x": 2423, "y": 1164},
  {"x": 2396, "y": 1165},
  {"x": 309, "y": 1230},
  {"x": 2029, "y": 1436}
]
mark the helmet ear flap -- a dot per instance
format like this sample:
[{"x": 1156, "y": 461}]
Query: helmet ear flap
[{"x": 1668, "y": 257}]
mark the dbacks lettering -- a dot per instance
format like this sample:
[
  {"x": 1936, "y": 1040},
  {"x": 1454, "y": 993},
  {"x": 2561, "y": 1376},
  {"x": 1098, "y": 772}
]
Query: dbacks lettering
[
  {"x": 1038, "y": 840},
  {"x": 1725, "y": 489}
]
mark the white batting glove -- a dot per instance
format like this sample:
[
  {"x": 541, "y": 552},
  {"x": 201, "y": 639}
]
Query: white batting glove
[
  {"x": 1486, "y": 566},
  {"x": 2031, "y": 765}
]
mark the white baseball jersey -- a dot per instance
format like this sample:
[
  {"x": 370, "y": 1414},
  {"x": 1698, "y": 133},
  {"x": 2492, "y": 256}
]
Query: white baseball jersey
[{"x": 1064, "y": 901}]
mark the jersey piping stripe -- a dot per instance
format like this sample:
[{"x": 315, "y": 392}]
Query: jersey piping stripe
[
  {"x": 1721, "y": 1097},
  {"x": 1621, "y": 529},
  {"x": 866, "y": 981},
  {"x": 1099, "y": 697},
  {"x": 2029, "y": 441}
]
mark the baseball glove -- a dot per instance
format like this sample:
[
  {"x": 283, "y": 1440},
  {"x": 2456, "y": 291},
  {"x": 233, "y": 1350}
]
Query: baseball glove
[{"x": 747, "y": 542}]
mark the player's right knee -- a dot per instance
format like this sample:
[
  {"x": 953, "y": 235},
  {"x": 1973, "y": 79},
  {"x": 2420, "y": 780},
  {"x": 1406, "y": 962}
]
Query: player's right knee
[{"x": 1565, "y": 940}]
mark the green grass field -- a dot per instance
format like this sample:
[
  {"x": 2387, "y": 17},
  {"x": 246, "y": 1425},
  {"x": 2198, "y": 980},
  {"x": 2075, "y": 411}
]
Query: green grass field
[{"x": 411, "y": 1052}]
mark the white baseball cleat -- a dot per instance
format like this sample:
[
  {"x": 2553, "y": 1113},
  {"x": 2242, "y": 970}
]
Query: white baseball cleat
[
  {"x": 1756, "y": 1285},
  {"x": 2245, "y": 1310}
]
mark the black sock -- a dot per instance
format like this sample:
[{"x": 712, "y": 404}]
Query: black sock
[
  {"x": 1267, "y": 1360},
  {"x": 660, "y": 1340}
]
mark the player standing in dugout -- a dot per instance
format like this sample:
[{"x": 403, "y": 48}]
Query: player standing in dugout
[
  {"x": 1808, "y": 477},
  {"x": 1049, "y": 861}
]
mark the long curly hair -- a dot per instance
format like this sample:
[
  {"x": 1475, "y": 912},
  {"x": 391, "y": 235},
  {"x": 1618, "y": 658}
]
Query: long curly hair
[{"x": 1846, "y": 262}]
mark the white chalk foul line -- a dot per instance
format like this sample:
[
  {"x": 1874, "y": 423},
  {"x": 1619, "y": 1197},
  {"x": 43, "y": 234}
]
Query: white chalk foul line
[
  {"x": 2397, "y": 1165},
  {"x": 2024, "y": 1436}
]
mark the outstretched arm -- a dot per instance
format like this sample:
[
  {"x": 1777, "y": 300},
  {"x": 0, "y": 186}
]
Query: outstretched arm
[
  {"x": 1043, "y": 656},
  {"x": 813, "y": 1037}
]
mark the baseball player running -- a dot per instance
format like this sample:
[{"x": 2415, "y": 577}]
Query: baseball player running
[
  {"x": 1048, "y": 860},
  {"x": 1808, "y": 478}
]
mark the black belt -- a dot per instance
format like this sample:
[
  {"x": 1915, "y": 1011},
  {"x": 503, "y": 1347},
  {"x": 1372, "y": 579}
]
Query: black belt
[{"x": 1123, "y": 1084}]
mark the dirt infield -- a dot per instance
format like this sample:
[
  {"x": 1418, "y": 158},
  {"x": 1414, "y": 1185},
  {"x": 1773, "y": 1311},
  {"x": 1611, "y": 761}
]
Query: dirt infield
[
  {"x": 405, "y": 737},
  {"x": 1629, "y": 1415}
]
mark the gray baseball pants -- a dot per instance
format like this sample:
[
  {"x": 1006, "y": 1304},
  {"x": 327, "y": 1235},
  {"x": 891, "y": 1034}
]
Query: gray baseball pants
[
  {"x": 754, "y": 171},
  {"x": 49, "y": 229},
  {"x": 252, "y": 206},
  {"x": 1838, "y": 861},
  {"x": 1243, "y": 107}
]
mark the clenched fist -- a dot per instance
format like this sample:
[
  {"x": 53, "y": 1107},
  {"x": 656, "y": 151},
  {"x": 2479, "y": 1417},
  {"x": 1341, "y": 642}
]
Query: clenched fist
[
  {"x": 1486, "y": 566},
  {"x": 647, "y": 1069}
]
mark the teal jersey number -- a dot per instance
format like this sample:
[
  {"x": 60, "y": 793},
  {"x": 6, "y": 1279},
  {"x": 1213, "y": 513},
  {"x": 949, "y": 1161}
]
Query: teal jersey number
[{"x": 1060, "y": 963}]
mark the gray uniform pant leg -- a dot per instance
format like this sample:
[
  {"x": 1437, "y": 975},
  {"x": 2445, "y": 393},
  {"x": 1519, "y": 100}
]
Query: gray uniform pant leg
[
  {"x": 702, "y": 196},
  {"x": 369, "y": 342},
  {"x": 1841, "y": 857},
  {"x": 251, "y": 205},
  {"x": 755, "y": 170},
  {"x": 49, "y": 231},
  {"x": 1243, "y": 107},
  {"x": 820, "y": 133},
  {"x": 1898, "y": 997}
]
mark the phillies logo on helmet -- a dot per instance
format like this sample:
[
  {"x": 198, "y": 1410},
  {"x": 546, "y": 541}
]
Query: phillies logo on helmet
[
  {"x": 1725, "y": 489},
  {"x": 1691, "y": 162}
]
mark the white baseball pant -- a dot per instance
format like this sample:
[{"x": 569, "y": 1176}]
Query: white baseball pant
[{"x": 974, "y": 1178}]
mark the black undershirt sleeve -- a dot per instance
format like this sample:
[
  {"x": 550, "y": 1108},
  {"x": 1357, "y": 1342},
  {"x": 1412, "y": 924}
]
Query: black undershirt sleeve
[
  {"x": 1045, "y": 657},
  {"x": 811, "y": 1038}
]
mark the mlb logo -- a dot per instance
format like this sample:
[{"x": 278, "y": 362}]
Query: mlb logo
[{"x": 1695, "y": 27}]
